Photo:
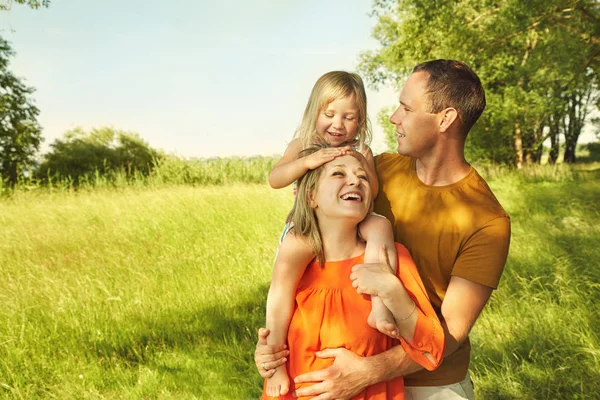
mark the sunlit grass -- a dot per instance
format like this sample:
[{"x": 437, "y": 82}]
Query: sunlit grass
[
  {"x": 538, "y": 337},
  {"x": 135, "y": 293},
  {"x": 150, "y": 291}
]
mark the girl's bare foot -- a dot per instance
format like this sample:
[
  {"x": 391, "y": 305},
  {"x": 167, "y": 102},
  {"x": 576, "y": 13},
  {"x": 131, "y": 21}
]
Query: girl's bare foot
[
  {"x": 382, "y": 319},
  {"x": 279, "y": 383}
]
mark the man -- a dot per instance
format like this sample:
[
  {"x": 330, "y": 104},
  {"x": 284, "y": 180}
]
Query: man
[{"x": 450, "y": 221}]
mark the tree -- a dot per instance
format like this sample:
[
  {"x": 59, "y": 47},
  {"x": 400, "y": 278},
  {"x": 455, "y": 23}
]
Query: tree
[
  {"x": 31, "y": 3},
  {"x": 103, "y": 151},
  {"x": 529, "y": 55},
  {"x": 20, "y": 133},
  {"x": 573, "y": 121}
]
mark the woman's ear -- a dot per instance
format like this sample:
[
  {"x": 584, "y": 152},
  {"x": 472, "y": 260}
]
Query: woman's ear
[{"x": 311, "y": 198}]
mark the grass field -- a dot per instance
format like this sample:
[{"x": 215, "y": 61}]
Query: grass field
[{"x": 156, "y": 292}]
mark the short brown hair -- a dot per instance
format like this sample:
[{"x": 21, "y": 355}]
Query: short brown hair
[{"x": 453, "y": 84}]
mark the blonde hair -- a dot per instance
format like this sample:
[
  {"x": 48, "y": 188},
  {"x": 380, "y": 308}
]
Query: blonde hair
[
  {"x": 303, "y": 216},
  {"x": 330, "y": 87}
]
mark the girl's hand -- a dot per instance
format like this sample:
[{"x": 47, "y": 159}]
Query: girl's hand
[
  {"x": 358, "y": 155},
  {"x": 323, "y": 156}
]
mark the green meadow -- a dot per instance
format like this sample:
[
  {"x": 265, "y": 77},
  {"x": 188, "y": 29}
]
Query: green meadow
[{"x": 155, "y": 291}]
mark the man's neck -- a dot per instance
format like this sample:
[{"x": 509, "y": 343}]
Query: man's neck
[{"x": 442, "y": 167}]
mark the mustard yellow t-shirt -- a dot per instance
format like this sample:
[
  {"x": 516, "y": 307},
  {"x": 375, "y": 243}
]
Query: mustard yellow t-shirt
[{"x": 455, "y": 230}]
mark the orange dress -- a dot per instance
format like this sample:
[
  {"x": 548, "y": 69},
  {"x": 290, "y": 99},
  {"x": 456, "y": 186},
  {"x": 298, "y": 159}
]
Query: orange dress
[{"x": 330, "y": 314}]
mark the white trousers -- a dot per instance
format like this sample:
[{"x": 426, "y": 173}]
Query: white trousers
[{"x": 457, "y": 391}]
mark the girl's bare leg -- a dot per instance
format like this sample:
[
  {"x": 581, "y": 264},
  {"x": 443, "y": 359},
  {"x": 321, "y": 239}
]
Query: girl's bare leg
[
  {"x": 377, "y": 231},
  {"x": 295, "y": 253}
]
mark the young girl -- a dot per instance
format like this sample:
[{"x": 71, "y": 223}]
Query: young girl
[{"x": 335, "y": 117}]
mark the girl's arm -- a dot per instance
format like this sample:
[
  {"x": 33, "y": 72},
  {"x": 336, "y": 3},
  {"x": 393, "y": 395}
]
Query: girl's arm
[
  {"x": 290, "y": 168},
  {"x": 295, "y": 252},
  {"x": 377, "y": 231},
  {"x": 371, "y": 172}
]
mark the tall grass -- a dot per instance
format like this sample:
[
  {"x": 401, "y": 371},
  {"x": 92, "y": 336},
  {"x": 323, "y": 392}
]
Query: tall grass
[
  {"x": 539, "y": 336},
  {"x": 168, "y": 171},
  {"x": 135, "y": 294},
  {"x": 216, "y": 171},
  {"x": 156, "y": 291},
  {"x": 174, "y": 171}
]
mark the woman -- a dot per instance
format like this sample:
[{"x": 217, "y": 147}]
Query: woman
[{"x": 330, "y": 310}]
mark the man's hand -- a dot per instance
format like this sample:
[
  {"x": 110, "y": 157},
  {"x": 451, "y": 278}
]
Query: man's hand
[
  {"x": 268, "y": 358},
  {"x": 374, "y": 279},
  {"x": 346, "y": 378}
]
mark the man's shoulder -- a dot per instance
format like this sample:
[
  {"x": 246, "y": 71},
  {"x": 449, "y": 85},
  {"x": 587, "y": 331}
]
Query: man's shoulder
[
  {"x": 391, "y": 169},
  {"x": 384, "y": 160},
  {"x": 386, "y": 156},
  {"x": 484, "y": 197}
]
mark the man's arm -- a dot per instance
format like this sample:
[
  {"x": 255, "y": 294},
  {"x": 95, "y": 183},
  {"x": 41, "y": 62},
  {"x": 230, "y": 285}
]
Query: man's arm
[
  {"x": 463, "y": 302},
  {"x": 462, "y": 305}
]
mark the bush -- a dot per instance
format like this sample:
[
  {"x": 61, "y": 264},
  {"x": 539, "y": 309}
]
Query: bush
[
  {"x": 589, "y": 152},
  {"x": 82, "y": 156}
]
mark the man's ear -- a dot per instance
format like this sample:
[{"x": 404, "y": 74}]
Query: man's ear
[{"x": 448, "y": 117}]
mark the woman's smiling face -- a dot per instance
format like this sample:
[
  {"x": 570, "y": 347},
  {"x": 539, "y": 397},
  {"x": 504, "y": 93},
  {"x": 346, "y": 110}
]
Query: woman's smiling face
[{"x": 343, "y": 190}]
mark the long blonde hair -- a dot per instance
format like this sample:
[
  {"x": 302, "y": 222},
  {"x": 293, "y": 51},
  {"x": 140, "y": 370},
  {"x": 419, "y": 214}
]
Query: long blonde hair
[
  {"x": 330, "y": 87},
  {"x": 303, "y": 215}
]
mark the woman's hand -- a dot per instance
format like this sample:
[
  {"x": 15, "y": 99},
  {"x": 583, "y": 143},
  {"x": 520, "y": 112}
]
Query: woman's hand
[
  {"x": 375, "y": 279},
  {"x": 345, "y": 378},
  {"x": 322, "y": 156},
  {"x": 268, "y": 358}
]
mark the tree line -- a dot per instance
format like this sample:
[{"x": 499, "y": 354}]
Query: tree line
[{"x": 538, "y": 60}]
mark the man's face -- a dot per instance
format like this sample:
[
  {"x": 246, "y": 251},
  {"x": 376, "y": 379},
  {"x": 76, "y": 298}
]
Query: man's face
[{"x": 417, "y": 128}]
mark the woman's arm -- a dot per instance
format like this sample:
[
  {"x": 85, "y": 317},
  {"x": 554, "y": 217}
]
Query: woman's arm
[
  {"x": 379, "y": 280},
  {"x": 405, "y": 296}
]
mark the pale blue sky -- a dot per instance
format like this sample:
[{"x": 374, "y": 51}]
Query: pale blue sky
[{"x": 195, "y": 78}]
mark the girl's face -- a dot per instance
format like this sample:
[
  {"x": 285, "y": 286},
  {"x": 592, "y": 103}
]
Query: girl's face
[
  {"x": 343, "y": 191},
  {"x": 338, "y": 122}
]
